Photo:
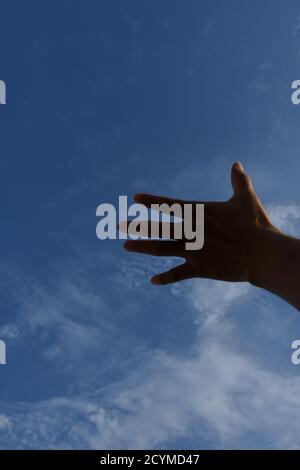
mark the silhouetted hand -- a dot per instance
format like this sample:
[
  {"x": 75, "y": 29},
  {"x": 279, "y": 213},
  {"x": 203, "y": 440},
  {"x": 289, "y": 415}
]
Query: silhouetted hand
[
  {"x": 230, "y": 229},
  {"x": 240, "y": 244}
]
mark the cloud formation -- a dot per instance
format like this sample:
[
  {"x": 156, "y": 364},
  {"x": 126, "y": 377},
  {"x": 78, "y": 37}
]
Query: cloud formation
[{"x": 218, "y": 391}]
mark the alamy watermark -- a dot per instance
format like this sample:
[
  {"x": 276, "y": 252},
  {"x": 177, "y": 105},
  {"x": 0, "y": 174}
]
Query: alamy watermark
[
  {"x": 295, "y": 357},
  {"x": 2, "y": 92},
  {"x": 187, "y": 223},
  {"x": 2, "y": 353},
  {"x": 2, "y": 343}
]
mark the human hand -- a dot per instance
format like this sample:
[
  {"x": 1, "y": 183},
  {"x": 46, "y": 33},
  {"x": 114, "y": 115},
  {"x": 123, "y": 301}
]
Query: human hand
[{"x": 235, "y": 234}]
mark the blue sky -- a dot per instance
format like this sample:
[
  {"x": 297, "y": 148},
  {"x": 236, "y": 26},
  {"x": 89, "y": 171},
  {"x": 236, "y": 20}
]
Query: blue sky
[{"x": 117, "y": 97}]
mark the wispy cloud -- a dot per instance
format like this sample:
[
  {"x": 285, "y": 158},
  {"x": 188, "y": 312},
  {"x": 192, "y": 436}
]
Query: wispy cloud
[
  {"x": 286, "y": 217},
  {"x": 5, "y": 423},
  {"x": 217, "y": 389}
]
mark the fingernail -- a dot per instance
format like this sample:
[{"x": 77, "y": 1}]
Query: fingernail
[
  {"x": 239, "y": 166},
  {"x": 156, "y": 280}
]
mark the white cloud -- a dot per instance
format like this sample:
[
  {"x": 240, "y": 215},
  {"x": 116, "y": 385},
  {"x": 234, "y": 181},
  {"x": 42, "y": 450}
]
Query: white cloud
[
  {"x": 217, "y": 389},
  {"x": 286, "y": 217},
  {"x": 5, "y": 422},
  {"x": 9, "y": 331},
  {"x": 212, "y": 299}
]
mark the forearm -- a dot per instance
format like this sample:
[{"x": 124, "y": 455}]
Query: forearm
[{"x": 278, "y": 265}]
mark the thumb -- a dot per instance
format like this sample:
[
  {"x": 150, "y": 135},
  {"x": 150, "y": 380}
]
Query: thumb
[{"x": 241, "y": 183}]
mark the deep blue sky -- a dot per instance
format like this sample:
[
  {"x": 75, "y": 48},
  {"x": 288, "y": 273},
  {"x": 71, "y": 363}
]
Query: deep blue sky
[{"x": 112, "y": 97}]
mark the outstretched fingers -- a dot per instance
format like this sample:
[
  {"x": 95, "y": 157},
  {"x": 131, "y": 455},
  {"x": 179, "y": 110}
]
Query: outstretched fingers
[
  {"x": 149, "y": 200},
  {"x": 179, "y": 273},
  {"x": 152, "y": 229},
  {"x": 156, "y": 248}
]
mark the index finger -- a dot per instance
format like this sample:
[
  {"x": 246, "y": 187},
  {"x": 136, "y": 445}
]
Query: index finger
[{"x": 149, "y": 199}]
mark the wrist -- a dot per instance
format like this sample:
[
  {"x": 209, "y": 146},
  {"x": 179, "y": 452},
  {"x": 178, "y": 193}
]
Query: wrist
[{"x": 264, "y": 255}]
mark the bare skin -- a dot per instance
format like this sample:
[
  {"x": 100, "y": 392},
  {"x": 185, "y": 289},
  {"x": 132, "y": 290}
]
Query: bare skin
[{"x": 241, "y": 244}]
